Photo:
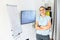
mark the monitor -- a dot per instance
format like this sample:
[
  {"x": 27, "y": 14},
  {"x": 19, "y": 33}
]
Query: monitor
[{"x": 28, "y": 16}]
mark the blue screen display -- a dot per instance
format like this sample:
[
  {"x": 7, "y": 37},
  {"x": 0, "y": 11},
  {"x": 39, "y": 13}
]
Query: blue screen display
[{"x": 28, "y": 16}]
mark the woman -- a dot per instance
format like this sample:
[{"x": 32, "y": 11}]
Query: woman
[{"x": 43, "y": 24}]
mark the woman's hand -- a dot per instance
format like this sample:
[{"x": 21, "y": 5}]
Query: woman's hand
[
  {"x": 48, "y": 26},
  {"x": 37, "y": 26}
]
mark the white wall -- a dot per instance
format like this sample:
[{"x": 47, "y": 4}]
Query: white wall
[
  {"x": 4, "y": 20},
  {"x": 5, "y": 25}
]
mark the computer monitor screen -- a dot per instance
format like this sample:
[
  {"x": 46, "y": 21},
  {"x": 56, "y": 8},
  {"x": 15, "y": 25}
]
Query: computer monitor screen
[{"x": 28, "y": 16}]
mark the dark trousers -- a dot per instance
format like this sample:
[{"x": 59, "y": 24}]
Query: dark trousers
[{"x": 42, "y": 37}]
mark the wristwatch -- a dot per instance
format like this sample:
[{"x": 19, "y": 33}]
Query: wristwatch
[{"x": 39, "y": 25}]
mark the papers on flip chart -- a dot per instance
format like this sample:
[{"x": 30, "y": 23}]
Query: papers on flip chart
[{"x": 15, "y": 20}]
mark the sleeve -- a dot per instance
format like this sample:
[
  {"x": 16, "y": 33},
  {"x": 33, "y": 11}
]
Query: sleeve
[
  {"x": 49, "y": 18},
  {"x": 37, "y": 18}
]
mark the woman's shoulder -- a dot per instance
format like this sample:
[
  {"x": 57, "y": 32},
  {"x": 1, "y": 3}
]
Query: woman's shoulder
[{"x": 48, "y": 17}]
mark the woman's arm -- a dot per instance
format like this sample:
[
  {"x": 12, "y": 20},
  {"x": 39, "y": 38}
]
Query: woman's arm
[
  {"x": 37, "y": 27},
  {"x": 48, "y": 26}
]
